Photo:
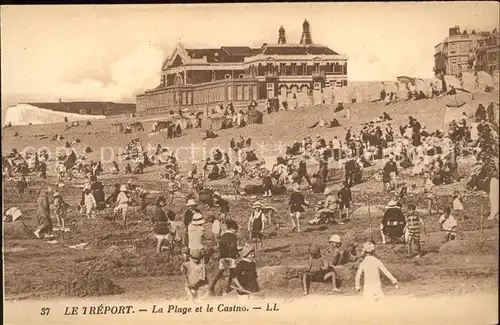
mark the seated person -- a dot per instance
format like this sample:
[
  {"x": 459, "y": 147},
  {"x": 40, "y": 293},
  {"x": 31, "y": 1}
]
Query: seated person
[
  {"x": 251, "y": 156},
  {"x": 139, "y": 169},
  {"x": 128, "y": 169}
]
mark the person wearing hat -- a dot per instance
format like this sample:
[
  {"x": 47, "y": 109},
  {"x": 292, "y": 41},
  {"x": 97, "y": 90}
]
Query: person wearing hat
[
  {"x": 195, "y": 274},
  {"x": 160, "y": 222},
  {"x": 188, "y": 216},
  {"x": 122, "y": 201},
  {"x": 61, "y": 209},
  {"x": 245, "y": 272},
  {"x": 318, "y": 270},
  {"x": 371, "y": 267},
  {"x": 196, "y": 233},
  {"x": 393, "y": 222},
  {"x": 296, "y": 203},
  {"x": 43, "y": 213},
  {"x": 256, "y": 225}
]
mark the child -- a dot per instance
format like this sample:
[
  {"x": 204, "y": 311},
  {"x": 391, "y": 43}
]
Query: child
[
  {"x": 296, "y": 203},
  {"x": 413, "y": 222},
  {"x": 448, "y": 224},
  {"x": 122, "y": 202},
  {"x": 458, "y": 207},
  {"x": 245, "y": 273},
  {"x": 90, "y": 203},
  {"x": 173, "y": 236},
  {"x": 61, "y": 209},
  {"x": 431, "y": 196},
  {"x": 228, "y": 253},
  {"x": 196, "y": 276},
  {"x": 370, "y": 266},
  {"x": 318, "y": 270},
  {"x": 160, "y": 223},
  {"x": 256, "y": 225}
]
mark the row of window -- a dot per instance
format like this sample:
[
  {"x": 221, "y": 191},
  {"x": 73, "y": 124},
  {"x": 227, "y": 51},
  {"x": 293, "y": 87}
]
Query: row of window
[
  {"x": 294, "y": 69},
  {"x": 202, "y": 96}
]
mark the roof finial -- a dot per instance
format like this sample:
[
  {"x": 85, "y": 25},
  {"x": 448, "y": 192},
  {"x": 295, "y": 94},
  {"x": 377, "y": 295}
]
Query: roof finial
[{"x": 281, "y": 35}]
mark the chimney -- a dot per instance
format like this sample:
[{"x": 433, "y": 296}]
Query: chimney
[
  {"x": 454, "y": 31},
  {"x": 281, "y": 36}
]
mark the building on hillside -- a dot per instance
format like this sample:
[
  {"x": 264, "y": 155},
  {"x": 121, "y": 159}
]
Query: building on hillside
[
  {"x": 193, "y": 78},
  {"x": 467, "y": 52},
  {"x": 87, "y": 108}
]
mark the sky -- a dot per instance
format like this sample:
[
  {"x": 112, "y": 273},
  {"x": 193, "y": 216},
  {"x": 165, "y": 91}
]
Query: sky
[{"x": 113, "y": 52}]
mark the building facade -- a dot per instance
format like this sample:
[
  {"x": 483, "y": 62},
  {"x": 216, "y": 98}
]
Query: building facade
[
  {"x": 201, "y": 77},
  {"x": 467, "y": 52}
]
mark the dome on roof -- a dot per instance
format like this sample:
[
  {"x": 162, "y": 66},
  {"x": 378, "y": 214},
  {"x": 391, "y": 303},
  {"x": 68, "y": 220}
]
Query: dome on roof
[
  {"x": 281, "y": 28},
  {"x": 306, "y": 23}
]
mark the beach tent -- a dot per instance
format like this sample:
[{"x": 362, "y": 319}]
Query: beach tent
[
  {"x": 255, "y": 117},
  {"x": 455, "y": 113},
  {"x": 117, "y": 127},
  {"x": 217, "y": 122}
]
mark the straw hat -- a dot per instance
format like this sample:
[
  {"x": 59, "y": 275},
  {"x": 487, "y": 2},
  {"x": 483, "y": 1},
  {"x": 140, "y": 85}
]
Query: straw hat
[
  {"x": 247, "y": 249},
  {"x": 190, "y": 203},
  {"x": 123, "y": 188},
  {"x": 327, "y": 191},
  {"x": 296, "y": 188},
  {"x": 197, "y": 219},
  {"x": 392, "y": 204},
  {"x": 335, "y": 239},
  {"x": 56, "y": 194},
  {"x": 368, "y": 247},
  {"x": 257, "y": 205}
]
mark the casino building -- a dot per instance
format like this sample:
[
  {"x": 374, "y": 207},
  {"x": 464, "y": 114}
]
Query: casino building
[{"x": 194, "y": 78}]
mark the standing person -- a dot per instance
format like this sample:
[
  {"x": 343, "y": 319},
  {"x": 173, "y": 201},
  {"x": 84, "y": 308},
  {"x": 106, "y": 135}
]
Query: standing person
[
  {"x": 345, "y": 199},
  {"x": 43, "y": 170},
  {"x": 267, "y": 183},
  {"x": 389, "y": 174},
  {"x": 296, "y": 203},
  {"x": 216, "y": 229},
  {"x": 188, "y": 216},
  {"x": 228, "y": 253},
  {"x": 90, "y": 203},
  {"x": 196, "y": 275},
  {"x": 448, "y": 224},
  {"x": 142, "y": 194},
  {"x": 429, "y": 191},
  {"x": 61, "y": 209},
  {"x": 122, "y": 202},
  {"x": 302, "y": 171},
  {"x": 196, "y": 233},
  {"x": 21, "y": 185},
  {"x": 245, "y": 272},
  {"x": 369, "y": 267},
  {"x": 336, "y": 148},
  {"x": 350, "y": 168},
  {"x": 413, "y": 222},
  {"x": 43, "y": 213},
  {"x": 256, "y": 225},
  {"x": 160, "y": 222}
]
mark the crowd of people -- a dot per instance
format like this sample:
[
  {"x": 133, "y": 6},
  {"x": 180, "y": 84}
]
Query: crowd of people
[{"x": 197, "y": 236}]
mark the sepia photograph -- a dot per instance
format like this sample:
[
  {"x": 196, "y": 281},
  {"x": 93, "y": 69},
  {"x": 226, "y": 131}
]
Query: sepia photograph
[{"x": 250, "y": 163}]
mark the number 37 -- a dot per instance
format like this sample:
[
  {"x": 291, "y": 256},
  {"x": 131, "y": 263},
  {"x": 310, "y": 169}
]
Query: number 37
[{"x": 44, "y": 311}]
